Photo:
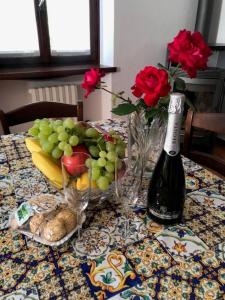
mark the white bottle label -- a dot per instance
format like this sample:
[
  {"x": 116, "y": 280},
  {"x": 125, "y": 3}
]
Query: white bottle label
[{"x": 172, "y": 141}]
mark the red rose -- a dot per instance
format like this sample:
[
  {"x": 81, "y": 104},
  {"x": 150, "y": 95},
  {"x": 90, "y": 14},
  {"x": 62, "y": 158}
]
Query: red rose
[
  {"x": 153, "y": 83},
  {"x": 190, "y": 50},
  {"x": 91, "y": 80}
]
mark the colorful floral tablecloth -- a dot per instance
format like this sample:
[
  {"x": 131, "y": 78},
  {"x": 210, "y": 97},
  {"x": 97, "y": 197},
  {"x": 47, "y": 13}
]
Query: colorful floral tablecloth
[{"x": 185, "y": 261}]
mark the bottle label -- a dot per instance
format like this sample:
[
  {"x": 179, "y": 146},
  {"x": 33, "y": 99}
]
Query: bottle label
[
  {"x": 162, "y": 213},
  {"x": 172, "y": 141},
  {"x": 23, "y": 213}
]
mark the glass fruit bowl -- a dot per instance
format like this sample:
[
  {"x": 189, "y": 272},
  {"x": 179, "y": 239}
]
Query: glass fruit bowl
[
  {"x": 58, "y": 139},
  {"x": 89, "y": 184}
]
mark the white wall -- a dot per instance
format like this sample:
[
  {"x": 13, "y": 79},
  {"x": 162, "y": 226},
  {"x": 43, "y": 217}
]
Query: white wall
[
  {"x": 142, "y": 30},
  {"x": 134, "y": 34}
]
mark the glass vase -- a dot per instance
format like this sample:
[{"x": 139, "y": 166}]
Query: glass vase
[{"x": 145, "y": 143}]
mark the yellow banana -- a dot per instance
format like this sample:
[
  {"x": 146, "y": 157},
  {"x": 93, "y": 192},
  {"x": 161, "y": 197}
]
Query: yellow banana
[
  {"x": 48, "y": 167},
  {"x": 32, "y": 144},
  {"x": 51, "y": 168}
]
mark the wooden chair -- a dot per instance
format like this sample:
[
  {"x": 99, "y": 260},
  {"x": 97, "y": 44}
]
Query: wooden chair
[
  {"x": 214, "y": 122},
  {"x": 39, "y": 110}
]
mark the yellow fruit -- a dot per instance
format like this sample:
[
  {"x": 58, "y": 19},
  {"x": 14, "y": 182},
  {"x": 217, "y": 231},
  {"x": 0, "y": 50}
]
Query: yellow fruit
[
  {"x": 48, "y": 167},
  {"x": 51, "y": 168},
  {"x": 32, "y": 144},
  {"x": 83, "y": 182}
]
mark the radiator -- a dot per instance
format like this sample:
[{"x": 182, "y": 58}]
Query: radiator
[{"x": 62, "y": 93}]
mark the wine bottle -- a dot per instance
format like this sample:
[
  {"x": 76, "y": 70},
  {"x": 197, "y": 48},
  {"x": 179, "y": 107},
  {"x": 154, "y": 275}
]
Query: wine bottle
[{"x": 166, "y": 193}]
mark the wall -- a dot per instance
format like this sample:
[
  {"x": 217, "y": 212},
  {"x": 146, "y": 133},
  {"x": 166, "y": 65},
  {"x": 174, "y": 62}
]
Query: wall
[
  {"x": 14, "y": 93},
  {"x": 134, "y": 34},
  {"x": 142, "y": 30}
]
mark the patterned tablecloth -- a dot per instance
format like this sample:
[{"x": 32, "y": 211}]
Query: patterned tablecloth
[{"x": 156, "y": 262}]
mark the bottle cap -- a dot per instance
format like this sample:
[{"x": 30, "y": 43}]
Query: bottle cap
[{"x": 176, "y": 105}]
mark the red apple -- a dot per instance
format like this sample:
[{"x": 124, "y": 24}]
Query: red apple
[
  {"x": 81, "y": 148},
  {"x": 75, "y": 164}
]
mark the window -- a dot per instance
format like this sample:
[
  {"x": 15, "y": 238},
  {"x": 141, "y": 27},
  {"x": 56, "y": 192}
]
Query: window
[
  {"x": 76, "y": 24},
  {"x": 49, "y": 32},
  {"x": 18, "y": 35}
]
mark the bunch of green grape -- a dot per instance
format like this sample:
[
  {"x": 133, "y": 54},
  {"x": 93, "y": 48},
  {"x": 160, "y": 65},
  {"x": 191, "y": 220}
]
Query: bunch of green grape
[
  {"x": 106, "y": 159},
  {"x": 57, "y": 137}
]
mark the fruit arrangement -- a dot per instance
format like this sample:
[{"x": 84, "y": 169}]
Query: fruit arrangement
[{"x": 61, "y": 138}]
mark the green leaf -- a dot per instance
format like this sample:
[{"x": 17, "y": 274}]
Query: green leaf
[
  {"x": 165, "y": 99},
  {"x": 126, "y": 294},
  {"x": 179, "y": 84},
  {"x": 108, "y": 278},
  {"x": 141, "y": 104},
  {"x": 126, "y": 267},
  {"x": 124, "y": 109},
  {"x": 99, "y": 260},
  {"x": 190, "y": 104},
  {"x": 151, "y": 113},
  {"x": 163, "y": 115},
  {"x": 162, "y": 67}
]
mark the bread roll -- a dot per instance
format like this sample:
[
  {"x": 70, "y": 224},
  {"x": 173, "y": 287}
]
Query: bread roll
[
  {"x": 36, "y": 223},
  {"x": 69, "y": 218},
  {"x": 54, "y": 230}
]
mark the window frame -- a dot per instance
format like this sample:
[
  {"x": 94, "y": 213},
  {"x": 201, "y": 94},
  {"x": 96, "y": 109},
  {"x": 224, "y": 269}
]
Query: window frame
[{"x": 45, "y": 58}]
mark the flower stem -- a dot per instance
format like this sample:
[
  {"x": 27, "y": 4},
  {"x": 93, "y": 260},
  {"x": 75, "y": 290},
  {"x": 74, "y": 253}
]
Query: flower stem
[
  {"x": 116, "y": 95},
  {"x": 175, "y": 71}
]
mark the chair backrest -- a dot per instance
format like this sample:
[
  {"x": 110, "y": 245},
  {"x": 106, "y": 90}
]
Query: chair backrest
[
  {"x": 39, "y": 110},
  {"x": 214, "y": 122}
]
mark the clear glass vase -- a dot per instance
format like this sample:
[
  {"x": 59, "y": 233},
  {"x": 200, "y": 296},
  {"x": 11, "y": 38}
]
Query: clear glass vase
[{"x": 145, "y": 143}]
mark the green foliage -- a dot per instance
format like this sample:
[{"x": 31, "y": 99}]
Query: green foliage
[
  {"x": 108, "y": 278},
  {"x": 124, "y": 109},
  {"x": 179, "y": 85},
  {"x": 22, "y": 212},
  {"x": 162, "y": 67},
  {"x": 126, "y": 267},
  {"x": 99, "y": 260},
  {"x": 151, "y": 114},
  {"x": 161, "y": 110}
]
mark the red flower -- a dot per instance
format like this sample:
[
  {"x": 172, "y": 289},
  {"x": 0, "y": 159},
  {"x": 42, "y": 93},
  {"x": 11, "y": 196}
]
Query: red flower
[
  {"x": 91, "y": 80},
  {"x": 153, "y": 83},
  {"x": 190, "y": 50}
]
